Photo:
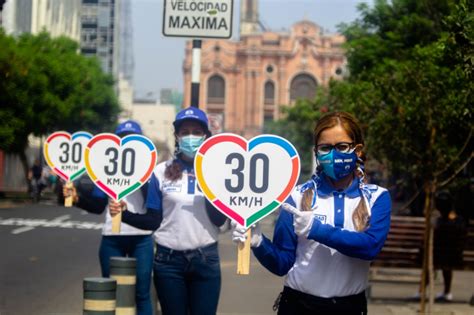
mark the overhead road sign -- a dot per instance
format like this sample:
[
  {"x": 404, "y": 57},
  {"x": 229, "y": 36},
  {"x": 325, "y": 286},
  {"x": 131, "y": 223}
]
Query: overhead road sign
[{"x": 198, "y": 18}]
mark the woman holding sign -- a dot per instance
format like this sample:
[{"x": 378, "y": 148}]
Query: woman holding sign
[
  {"x": 333, "y": 226},
  {"x": 130, "y": 242},
  {"x": 186, "y": 270}
]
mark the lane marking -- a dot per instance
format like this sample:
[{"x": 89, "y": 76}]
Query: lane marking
[
  {"x": 22, "y": 229},
  {"x": 59, "y": 222}
]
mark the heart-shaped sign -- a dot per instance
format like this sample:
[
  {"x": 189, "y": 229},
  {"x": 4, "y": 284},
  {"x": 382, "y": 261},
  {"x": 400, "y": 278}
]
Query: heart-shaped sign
[
  {"x": 64, "y": 153},
  {"x": 120, "y": 166},
  {"x": 246, "y": 180}
]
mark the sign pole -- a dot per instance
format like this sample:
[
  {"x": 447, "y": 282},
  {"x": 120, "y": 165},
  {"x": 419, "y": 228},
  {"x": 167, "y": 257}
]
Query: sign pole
[
  {"x": 196, "y": 72},
  {"x": 68, "y": 200},
  {"x": 116, "y": 223},
  {"x": 243, "y": 255}
]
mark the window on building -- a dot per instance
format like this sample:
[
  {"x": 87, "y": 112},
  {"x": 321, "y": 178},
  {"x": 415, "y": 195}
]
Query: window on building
[
  {"x": 269, "y": 93},
  {"x": 216, "y": 90},
  {"x": 303, "y": 86},
  {"x": 268, "y": 116},
  {"x": 269, "y": 102}
]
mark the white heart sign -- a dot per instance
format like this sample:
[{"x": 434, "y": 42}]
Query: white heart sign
[
  {"x": 246, "y": 180},
  {"x": 64, "y": 153},
  {"x": 120, "y": 166}
]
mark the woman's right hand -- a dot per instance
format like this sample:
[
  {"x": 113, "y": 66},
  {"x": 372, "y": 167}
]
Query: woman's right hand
[
  {"x": 70, "y": 191},
  {"x": 239, "y": 234},
  {"x": 115, "y": 207},
  {"x": 302, "y": 220}
]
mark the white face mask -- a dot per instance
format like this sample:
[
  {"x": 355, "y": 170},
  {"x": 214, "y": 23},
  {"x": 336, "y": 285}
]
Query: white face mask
[{"x": 188, "y": 145}]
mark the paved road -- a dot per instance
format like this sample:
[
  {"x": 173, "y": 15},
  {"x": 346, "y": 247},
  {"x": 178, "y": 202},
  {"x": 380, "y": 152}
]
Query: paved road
[{"x": 47, "y": 250}]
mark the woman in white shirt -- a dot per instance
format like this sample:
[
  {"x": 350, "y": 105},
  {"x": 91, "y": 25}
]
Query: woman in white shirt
[
  {"x": 131, "y": 241},
  {"x": 186, "y": 269},
  {"x": 333, "y": 226}
]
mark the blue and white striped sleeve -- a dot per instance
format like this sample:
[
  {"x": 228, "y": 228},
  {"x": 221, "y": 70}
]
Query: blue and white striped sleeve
[
  {"x": 363, "y": 245},
  {"x": 279, "y": 256}
]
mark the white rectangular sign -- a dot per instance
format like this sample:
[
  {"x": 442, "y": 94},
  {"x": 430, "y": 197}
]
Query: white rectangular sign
[{"x": 198, "y": 18}]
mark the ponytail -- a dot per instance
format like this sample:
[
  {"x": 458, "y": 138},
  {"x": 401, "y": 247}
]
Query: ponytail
[
  {"x": 309, "y": 189},
  {"x": 360, "y": 216},
  {"x": 307, "y": 200},
  {"x": 173, "y": 170}
]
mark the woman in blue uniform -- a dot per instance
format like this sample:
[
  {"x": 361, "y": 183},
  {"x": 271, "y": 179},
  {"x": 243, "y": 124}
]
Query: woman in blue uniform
[
  {"x": 333, "y": 226},
  {"x": 186, "y": 269},
  {"x": 130, "y": 242}
]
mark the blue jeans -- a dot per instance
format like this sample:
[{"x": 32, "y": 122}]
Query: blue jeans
[
  {"x": 139, "y": 247},
  {"x": 187, "y": 282}
]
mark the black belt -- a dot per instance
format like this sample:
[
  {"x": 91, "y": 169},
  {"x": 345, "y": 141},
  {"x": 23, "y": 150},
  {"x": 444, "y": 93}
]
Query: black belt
[{"x": 341, "y": 300}]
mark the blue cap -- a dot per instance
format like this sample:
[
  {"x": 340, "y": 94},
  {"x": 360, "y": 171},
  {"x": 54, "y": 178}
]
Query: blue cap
[
  {"x": 128, "y": 126},
  {"x": 191, "y": 113}
]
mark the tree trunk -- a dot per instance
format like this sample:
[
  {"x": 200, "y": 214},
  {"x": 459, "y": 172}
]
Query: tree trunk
[
  {"x": 430, "y": 265},
  {"x": 427, "y": 268}
]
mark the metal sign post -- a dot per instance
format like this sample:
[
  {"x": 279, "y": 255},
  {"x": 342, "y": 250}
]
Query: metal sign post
[
  {"x": 197, "y": 19},
  {"x": 196, "y": 72}
]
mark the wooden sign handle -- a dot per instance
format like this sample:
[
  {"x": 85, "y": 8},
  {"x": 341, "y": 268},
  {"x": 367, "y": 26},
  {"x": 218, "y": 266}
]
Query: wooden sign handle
[
  {"x": 68, "y": 199},
  {"x": 116, "y": 222},
  {"x": 243, "y": 255}
]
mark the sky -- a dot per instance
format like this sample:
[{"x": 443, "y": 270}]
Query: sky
[{"x": 158, "y": 59}]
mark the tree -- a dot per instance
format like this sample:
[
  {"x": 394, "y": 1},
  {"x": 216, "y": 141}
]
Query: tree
[
  {"x": 46, "y": 86},
  {"x": 415, "y": 59},
  {"x": 411, "y": 84}
]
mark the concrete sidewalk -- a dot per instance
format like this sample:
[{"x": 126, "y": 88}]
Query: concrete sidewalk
[
  {"x": 386, "y": 308},
  {"x": 394, "y": 299}
]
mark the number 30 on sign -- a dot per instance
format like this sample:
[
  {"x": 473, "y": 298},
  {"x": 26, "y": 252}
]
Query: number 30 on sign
[
  {"x": 64, "y": 153},
  {"x": 119, "y": 166},
  {"x": 246, "y": 180}
]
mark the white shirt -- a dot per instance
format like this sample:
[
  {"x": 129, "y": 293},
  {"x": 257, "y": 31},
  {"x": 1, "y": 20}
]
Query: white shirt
[{"x": 185, "y": 223}]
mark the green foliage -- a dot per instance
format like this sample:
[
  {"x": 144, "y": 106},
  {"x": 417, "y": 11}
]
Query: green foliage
[
  {"x": 415, "y": 60},
  {"x": 298, "y": 125},
  {"x": 410, "y": 85},
  {"x": 45, "y": 86}
]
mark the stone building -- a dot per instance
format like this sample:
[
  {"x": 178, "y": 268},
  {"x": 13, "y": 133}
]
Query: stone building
[{"x": 245, "y": 82}]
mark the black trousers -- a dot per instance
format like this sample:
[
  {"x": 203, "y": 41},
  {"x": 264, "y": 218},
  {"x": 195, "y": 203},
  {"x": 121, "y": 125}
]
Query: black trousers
[{"x": 294, "y": 302}]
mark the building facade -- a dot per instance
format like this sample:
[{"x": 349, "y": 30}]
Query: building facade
[
  {"x": 58, "y": 17},
  {"x": 156, "y": 121},
  {"x": 100, "y": 32},
  {"x": 244, "y": 82}
]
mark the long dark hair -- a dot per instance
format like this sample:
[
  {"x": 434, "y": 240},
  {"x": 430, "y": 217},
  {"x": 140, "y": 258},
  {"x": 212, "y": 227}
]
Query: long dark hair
[{"x": 173, "y": 170}]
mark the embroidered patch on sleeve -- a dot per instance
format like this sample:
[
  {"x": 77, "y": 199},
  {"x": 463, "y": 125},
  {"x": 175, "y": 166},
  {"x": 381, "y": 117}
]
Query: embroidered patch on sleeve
[{"x": 320, "y": 217}]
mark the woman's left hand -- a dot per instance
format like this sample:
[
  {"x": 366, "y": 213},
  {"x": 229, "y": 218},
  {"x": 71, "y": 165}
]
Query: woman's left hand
[
  {"x": 115, "y": 207},
  {"x": 302, "y": 220}
]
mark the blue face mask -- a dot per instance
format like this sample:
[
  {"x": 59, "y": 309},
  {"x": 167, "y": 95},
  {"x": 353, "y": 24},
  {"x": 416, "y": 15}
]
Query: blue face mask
[
  {"x": 337, "y": 165},
  {"x": 188, "y": 145}
]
